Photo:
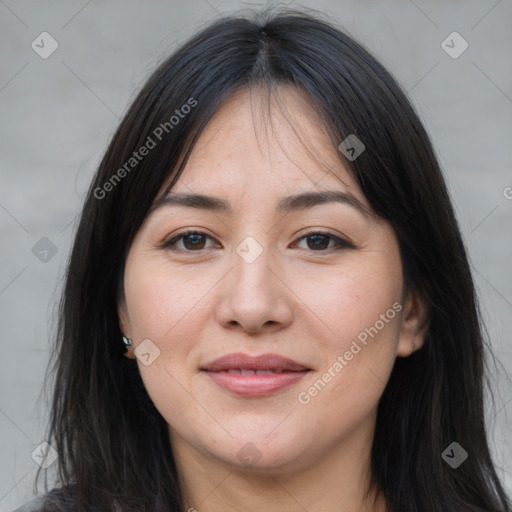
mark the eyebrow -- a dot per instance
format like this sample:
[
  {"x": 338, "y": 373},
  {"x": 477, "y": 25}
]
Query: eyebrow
[{"x": 287, "y": 204}]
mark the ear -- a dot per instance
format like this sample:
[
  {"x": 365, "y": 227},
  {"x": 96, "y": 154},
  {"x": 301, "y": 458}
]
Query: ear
[
  {"x": 124, "y": 325},
  {"x": 415, "y": 323}
]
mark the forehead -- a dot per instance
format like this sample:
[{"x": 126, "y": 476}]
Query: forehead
[{"x": 257, "y": 138}]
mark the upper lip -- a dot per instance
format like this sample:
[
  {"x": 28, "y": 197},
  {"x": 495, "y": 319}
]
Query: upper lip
[{"x": 241, "y": 361}]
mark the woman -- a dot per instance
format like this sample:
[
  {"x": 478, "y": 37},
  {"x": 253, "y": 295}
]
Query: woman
[{"x": 268, "y": 304}]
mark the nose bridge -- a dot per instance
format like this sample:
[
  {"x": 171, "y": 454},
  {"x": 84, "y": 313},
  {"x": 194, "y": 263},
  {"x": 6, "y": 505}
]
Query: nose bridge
[
  {"x": 250, "y": 249},
  {"x": 251, "y": 263},
  {"x": 252, "y": 297}
]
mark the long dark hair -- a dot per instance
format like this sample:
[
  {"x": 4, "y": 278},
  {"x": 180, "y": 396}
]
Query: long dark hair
[{"x": 113, "y": 444}]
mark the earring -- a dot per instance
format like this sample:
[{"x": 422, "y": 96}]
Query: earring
[
  {"x": 413, "y": 345},
  {"x": 128, "y": 347}
]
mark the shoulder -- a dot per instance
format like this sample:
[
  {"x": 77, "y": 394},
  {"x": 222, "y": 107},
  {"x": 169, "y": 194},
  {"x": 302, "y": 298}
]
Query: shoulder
[{"x": 36, "y": 505}]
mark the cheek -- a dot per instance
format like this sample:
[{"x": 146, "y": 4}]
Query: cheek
[
  {"x": 352, "y": 299},
  {"x": 160, "y": 301},
  {"x": 347, "y": 389},
  {"x": 360, "y": 310},
  {"x": 164, "y": 307}
]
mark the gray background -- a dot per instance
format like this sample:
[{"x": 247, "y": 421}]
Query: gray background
[{"x": 57, "y": 115}]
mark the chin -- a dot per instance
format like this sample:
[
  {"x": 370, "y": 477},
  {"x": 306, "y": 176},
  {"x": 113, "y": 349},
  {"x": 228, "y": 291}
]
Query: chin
[{"x": 262, "y": 452}]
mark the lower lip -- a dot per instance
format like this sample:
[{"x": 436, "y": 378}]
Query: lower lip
[{"x": 255, "y": 385}]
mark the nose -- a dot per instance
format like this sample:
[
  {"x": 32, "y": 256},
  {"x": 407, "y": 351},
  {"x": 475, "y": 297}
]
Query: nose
[{"x": 253, "y": 296}]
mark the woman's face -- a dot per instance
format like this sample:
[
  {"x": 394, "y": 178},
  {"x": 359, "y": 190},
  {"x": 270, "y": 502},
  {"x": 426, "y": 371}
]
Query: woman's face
[{"x": 269, "y": 273}]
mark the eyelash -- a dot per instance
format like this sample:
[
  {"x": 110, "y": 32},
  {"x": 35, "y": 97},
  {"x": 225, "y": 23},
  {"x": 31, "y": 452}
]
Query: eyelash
[{"x": 342, "y": 243}]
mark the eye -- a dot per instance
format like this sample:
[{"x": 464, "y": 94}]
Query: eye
[
  {"x": 192, "y": 241},
  {"x": 320, "y": 240}
]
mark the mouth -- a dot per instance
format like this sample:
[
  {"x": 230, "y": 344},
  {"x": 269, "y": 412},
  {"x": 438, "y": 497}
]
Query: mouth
[{"x": 250, "y": 376}]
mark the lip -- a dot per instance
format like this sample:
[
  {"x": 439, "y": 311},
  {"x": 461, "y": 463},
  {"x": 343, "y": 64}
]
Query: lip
[{"x": 236, "y": 373}]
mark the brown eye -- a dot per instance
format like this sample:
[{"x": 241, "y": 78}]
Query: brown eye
[
  {"x": 191, "y": 241},
  {"x": 320, "y": 240},
  {"x": 195, "y": 241}
]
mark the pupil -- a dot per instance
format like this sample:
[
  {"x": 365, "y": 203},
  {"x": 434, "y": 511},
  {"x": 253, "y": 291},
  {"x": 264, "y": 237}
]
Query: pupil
[
  {"x": 316, "y": 237},
  {"x": 195, "y": 238}
]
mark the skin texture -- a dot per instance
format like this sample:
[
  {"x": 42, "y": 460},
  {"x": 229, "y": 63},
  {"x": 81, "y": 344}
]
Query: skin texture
[{"x": 303, "y": 302}]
